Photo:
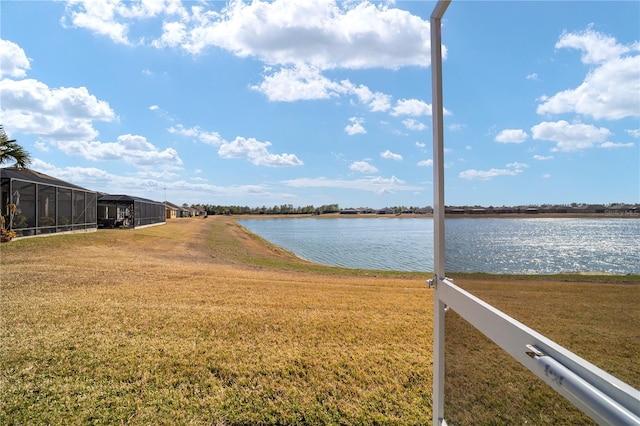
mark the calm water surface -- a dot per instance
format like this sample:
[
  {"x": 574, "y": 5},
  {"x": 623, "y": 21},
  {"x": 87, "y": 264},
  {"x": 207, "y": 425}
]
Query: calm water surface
[{"x": 512, "y": 246}]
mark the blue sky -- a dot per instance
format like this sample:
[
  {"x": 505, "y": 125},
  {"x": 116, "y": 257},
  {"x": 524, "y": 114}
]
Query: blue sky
[{"x": 321, "y": 102}]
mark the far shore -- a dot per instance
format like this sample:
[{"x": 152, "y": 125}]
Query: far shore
[{"x": 447, "y": 216}]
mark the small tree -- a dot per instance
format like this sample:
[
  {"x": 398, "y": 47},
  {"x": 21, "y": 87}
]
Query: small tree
[{"x": 10, "y": 150}]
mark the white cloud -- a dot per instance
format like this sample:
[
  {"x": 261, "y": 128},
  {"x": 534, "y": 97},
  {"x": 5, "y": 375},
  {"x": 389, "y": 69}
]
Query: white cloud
[
  {"x": 375, "y": 101},
  {"x": 391, "y": 156},
  {"x": 425, "y": 163},
  {"x": 305, "y": 82},
  {"x": 257, "y": 153},
  {"x": 325, "y": 34},
  {"x": 513, "y": 169},
  {"x": 610, "y": 89},
  {"x": 251, "y": 149},
  {"x": 42, "y": 146},
  {"x": 617, "y": 145},
  {"x": 13, "y": 60},
  {"x": 517, "y": 166},
  {"x": 132, "y": 149},
  {"x": 152, "y": 8},
  {"x": 98, "y": 17},
  {"x": 570, "y": 137},
  {"x": 596, "y": 47},
  {"x": 355, "y": 127},
  {"x": 298, "y": 40},
  {"x": 87, "y": 177},
  {"x": 412, "y": 107},
  {"x": 144, "y": 182},
  {"x": 421, "y": 144},
  {"x": 161, "y": 113},
  {"x": 211, "y": 138},
  {"x": 412, "y": 124},
  {"x": 543, "y": 157},
  {"x": 546, "y": 176},
  {"x": 456, "y": 127},
  {"x": 363, "y": 167},
  {"x": 156, "y": 174},
  {"x": 299, "y": 82},
  {"x": 377, "y": 185},
  {"x": 32, "y": 96},
  {"x": 511, "y": 136},
  {"x": 533, "y": 76},
  {"x": 634, "y": 133},
  {"x": 65, "y": 113},
  {"x": 114, "y": 18}
]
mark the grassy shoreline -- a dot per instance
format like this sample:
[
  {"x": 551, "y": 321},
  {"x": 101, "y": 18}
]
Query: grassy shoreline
[{"x": 201, "y": 322}]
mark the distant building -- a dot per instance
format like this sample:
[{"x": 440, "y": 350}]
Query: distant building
[
  {"x": 200, "y": 211},
  {"x": 478, "y": 211},
  {"x": 623, "y": 210},
  {"x": 174, "y": 210},
  {"x": 349, "y": 211},
  {"x": 589, "y": 208},
  {"x": 455, "y": 211}
]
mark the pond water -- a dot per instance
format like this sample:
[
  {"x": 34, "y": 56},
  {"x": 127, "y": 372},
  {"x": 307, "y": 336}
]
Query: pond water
[{"x": 491, "y": 245}]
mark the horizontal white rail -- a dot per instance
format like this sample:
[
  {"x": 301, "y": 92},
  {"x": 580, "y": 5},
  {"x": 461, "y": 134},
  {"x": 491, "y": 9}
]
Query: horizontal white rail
[{"x": 601, "y": 396}]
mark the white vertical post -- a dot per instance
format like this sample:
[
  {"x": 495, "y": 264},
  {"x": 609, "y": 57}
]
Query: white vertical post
[
  {"x": 604, "y": 398},
  {"x": 437, "y": 112}
]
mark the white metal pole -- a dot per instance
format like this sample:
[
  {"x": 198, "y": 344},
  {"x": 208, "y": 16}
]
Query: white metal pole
[{"x": 437, "y": 112}]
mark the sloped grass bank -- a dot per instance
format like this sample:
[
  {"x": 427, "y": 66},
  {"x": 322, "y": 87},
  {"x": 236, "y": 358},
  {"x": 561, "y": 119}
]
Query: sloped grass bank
[{"x": 200, "y": 322}]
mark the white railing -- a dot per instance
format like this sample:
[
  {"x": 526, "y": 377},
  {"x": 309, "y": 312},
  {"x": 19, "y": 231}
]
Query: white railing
[
  {"x": 601, "y": 396},
  {"x": 604, "y": 398}
]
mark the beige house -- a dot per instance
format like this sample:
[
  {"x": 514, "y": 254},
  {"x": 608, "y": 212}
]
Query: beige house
[{"x": 174, "y": 211}]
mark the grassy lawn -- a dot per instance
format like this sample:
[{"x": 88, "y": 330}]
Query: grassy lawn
[{"x": 199, "y": 322}]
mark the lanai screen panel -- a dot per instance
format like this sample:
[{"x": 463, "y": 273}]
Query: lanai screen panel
[
  {"x": 46, "y": 209},
  {"x": 149, "y": 212},
  {"x": 79, "y": 208},
  {"x": 23, "y": 195},
  {"x": 91, "y": 207},
  {"x": 34, "y": 203},
  {"x": 64, "y": 209},
  {"x": 129, "y": 211}
]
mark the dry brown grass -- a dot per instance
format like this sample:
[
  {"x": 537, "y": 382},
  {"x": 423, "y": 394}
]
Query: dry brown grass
[
  {"x": 199, "y": 322},
  {"x": 146, "y": 327}
]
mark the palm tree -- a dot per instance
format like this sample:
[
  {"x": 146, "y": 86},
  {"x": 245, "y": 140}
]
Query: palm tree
[{"x": 10, "y": 150}]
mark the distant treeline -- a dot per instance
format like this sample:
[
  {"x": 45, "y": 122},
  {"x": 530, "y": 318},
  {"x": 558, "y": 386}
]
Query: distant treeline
[
  {"x": 311, "y": 210},
  {"x": 289, "y": 209},
  {"x": 282, "y": 209}
]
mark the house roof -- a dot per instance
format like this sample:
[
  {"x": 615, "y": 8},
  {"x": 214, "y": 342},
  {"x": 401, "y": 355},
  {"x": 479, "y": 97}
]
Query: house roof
[
  {"x": 176, "y": 207},
  {"x": 121, "y": 198},
  {"x": 37, "y": 177}
]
